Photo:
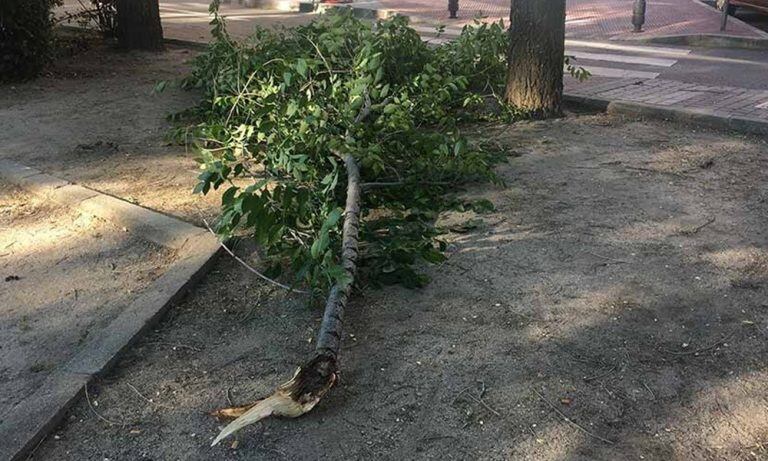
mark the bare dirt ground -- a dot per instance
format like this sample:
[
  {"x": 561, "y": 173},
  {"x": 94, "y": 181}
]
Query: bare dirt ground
[
  {"x": 63, "y": 277},
  {"x": 620, "y": 283},
  {"x": 95, "y": 121}
]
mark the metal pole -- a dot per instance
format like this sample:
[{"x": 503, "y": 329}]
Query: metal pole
[
  {"x": 453, "y": 8},
  {"x": 724, "y": 20},
  {"x": 638, "y": 15}
]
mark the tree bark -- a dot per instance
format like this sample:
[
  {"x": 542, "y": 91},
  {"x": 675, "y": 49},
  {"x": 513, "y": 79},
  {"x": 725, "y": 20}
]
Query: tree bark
[
  {"x": 138, "y": 25},
  {"x": 536, "y": 54}
]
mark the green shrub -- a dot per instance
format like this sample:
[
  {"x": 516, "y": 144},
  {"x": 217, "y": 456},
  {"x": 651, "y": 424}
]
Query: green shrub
[{"x": 25, "y": 37}]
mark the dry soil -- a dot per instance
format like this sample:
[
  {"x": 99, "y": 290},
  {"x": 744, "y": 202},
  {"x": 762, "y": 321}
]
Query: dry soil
[{"x": 613, "y": 306}]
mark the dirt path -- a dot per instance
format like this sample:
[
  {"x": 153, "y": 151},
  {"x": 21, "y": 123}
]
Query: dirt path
[{"x": 620, "y": 283}]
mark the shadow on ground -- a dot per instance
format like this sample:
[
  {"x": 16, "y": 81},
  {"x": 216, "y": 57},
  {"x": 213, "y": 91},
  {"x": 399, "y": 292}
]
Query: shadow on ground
[{"x": 620, "y": 283}]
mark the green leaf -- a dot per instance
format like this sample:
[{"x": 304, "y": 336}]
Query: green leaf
[{"x": 301, "y": 67}]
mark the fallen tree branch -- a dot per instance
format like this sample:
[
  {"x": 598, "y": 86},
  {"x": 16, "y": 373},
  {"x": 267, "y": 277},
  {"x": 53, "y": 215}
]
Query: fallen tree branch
[{"x": 313, "y": 380}]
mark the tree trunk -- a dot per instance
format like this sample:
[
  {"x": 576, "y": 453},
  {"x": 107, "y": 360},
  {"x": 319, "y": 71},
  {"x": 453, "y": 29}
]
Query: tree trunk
[
  {"x": 536, "y": 54},
  {"x": 138, "y": 25}
]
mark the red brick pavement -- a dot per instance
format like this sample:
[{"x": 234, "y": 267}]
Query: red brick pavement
[{"x": 594, "y": 19}]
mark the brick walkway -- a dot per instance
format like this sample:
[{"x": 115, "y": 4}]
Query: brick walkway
[
  {"x": 594, "y": 19},
  {"x": 188, "y": 20},
  {"x": 722, "y": 101}
]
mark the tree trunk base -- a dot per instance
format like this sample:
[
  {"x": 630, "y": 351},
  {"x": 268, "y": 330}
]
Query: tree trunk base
[{"x": 138, "y": 25}]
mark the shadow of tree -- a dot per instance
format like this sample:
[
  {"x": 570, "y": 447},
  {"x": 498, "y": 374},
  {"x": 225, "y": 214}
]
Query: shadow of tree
[{"x": 599, "y": 291}]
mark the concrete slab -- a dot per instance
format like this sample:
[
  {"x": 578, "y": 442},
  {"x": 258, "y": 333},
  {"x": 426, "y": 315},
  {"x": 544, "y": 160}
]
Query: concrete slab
[
  {"x": 30, "y": 420},
  {"x": 151, "y": 225},
  {"x": 101, "y": 353}
]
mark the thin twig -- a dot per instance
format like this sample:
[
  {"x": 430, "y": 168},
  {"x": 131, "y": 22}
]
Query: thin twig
[
  {"x": 482, "y": 402},
  {"x": 247, "y": 266},
  {"x": 133, "y": 388},
  {"x": 696, "y": 229},
  {"x": 617, "y": 261},
  {"x": 704, "y": 349},
  {"x": 602, "y": 375},
  {"x": 88, "y": 399},
  {"x": 478, "y": 400},
  {"x": 653, "y": 396},
  {"x": 175, "y": 345},
  {"x": 570, "y": 421}
]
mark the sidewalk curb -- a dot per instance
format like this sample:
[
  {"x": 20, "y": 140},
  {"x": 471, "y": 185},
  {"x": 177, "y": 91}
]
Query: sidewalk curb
[
  {"x": 32, "y": 419},
  {"x": 702, "y": 41},
  {"x": 698, "y": 117}
]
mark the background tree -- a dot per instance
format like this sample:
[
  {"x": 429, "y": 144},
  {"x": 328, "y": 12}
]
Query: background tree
[
  {"x": 536, "y": 55},
  {"x": 138, "y": 25}
]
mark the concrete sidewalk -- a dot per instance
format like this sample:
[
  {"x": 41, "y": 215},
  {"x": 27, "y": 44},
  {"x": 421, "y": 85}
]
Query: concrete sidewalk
[{"x": 721, "y": 107}]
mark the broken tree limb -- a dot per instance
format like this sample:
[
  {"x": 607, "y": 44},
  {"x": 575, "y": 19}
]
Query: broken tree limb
[
  {"x": 314, "y": 379},
  {"x": 329, "y": 337}
]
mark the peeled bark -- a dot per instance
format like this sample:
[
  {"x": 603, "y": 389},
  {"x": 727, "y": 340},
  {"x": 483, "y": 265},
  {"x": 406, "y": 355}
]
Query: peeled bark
[
  {"x": 138, "y": 25},
  {"x": 536, "y": 54}
]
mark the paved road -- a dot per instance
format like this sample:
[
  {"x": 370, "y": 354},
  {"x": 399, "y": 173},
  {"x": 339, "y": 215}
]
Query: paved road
[
  {"x": 587, "y": 19},
  {"x": 739, "y": 68},
  {"x": 604, "y": 56}
]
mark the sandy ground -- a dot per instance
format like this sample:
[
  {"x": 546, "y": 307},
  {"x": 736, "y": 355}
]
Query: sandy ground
[
  {"x": 601, "y": 290},
  {"x": 64, "y": 276},
  {"x": 96, "y": 121},
  {"x": 620, "y": 283}
]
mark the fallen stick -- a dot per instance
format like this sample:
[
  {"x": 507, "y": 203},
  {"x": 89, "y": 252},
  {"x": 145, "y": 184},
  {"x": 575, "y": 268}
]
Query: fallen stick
[{"x": 570, "y": 421}]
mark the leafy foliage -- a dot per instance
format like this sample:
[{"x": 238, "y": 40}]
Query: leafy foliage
[
  {"x": 281, "y": 109},
  {"x": 25, "y": 37}
]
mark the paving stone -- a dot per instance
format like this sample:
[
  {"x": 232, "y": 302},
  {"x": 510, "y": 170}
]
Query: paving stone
[
  {"x": 147, "y": 309},
  {"x": 151, "y": 225},
  {"x": 72, "y": 195},
  {"x": 40, "y": 184},
  {"x": 30, "y": 420}
]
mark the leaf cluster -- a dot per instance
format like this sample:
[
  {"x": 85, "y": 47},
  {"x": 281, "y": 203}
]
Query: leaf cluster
[{"x": 282, "y": 108}]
